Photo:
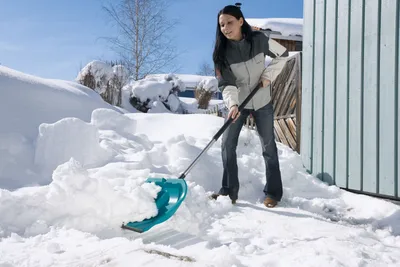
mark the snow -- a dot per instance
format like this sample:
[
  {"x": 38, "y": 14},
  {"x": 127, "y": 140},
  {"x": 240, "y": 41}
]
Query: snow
[
  {"x": 102, "y": 73},
  {"x": 286, "y": 26},
  {"x": 209, "y": 84},
  {"x": 191, "y": 80},
  {"x": 73, "y": 168}
]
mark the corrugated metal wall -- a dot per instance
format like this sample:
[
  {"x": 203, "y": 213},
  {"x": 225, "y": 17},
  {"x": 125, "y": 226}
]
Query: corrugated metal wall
[{"x": 350, "y": 99}]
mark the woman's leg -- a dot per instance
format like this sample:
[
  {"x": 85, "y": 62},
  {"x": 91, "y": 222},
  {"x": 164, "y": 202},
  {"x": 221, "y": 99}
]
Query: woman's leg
[
  {"x": 264, "y": 118},
  {"x": 230, "y": 179}
]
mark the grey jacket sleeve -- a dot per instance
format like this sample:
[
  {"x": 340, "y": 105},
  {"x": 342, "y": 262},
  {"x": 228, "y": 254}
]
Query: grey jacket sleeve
[
  {"x": 279, "y": 55},
  {"x": 227, "y": 85}
]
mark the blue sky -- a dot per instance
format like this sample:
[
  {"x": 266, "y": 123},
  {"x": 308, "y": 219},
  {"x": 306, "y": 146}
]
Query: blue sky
[{"x": 55, "y": 38}]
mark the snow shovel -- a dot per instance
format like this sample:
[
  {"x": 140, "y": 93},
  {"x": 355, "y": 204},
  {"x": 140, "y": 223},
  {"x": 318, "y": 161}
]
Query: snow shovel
[{"x": 173, "y": 191}]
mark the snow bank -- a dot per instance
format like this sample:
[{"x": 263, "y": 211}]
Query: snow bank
[
  {"x": 75, "y": 200},
  {"x": 286, "y": 26},
  {"x": 26, "y": 102}
]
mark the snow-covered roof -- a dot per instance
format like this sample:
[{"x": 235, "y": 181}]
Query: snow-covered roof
[{"x": 284, "y": 26}]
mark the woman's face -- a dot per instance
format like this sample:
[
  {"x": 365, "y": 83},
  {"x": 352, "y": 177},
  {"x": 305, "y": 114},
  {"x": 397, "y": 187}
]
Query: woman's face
[{"x": 231, "y": 27}]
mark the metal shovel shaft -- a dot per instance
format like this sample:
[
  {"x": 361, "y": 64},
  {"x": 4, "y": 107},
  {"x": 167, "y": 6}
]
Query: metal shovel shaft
[{"x": 220, "y": 132}]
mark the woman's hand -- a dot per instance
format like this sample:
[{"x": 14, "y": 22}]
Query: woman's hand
[
  {"x": 234, "y": 113},
  {"x": 265, "y": 82}
]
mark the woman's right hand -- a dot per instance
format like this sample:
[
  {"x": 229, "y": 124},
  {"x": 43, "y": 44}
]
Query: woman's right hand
[{"x": 234, "y": 113}]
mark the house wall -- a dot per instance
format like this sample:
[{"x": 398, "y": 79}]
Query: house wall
[{"x": 350, "y": 99}]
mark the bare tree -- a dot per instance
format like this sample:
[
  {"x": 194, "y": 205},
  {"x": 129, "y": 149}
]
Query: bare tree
[
  {"x": 144, "y": 42},
  {"x": 206, "y": 69}
]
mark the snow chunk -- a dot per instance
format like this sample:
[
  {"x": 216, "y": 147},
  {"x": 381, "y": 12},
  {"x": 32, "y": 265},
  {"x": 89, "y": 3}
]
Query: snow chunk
[
  {"x": 106, "y": 119},
  {"x": 69, "y": 137}
]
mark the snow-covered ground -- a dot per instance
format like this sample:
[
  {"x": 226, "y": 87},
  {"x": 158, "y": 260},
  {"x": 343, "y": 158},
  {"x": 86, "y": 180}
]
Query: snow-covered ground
[{"x": 73, "y": 168}]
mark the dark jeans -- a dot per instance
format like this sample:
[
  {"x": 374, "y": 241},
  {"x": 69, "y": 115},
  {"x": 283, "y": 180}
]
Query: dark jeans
[{"x": 264, "y": 119}]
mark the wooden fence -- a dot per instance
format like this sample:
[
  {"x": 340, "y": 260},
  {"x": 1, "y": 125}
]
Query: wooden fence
[{"x": 286, "y": 99}]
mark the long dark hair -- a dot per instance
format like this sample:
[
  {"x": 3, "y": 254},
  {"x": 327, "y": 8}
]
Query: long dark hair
[{"x": 221, "y": 40}]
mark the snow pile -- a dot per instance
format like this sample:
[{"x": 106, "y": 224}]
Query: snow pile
[
  {"x": 101, "y": 72},
  {"x": 75, "y": 200},
  {"x": 208, "y": 84},
  {"x": 26, "y": 102},
  {"x": 158, "y": 94},
  {"x": 106, "y": 79},
  {"x": 98, "y": 174},
  {"x": 286, "y": 26}
]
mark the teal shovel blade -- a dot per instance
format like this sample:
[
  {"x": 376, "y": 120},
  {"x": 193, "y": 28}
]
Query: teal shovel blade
[{"x": 173, "y": 192}]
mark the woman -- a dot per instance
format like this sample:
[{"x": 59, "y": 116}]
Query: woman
[{"x": 239, "y": 58}]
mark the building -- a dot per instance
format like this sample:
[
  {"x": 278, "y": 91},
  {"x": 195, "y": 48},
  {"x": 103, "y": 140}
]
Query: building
[
  {"x": 286, "y": 31},
  {"x": 350, "y": 94}
]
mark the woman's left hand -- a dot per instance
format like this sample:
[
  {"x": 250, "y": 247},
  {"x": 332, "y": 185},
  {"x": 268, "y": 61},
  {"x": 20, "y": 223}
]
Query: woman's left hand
[{"x": 265, "y": 82}]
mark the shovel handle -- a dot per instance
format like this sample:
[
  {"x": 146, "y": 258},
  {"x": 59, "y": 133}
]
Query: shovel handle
[
  {"x": 241, "y": 107},
  {"x": 220, "y": 132}
]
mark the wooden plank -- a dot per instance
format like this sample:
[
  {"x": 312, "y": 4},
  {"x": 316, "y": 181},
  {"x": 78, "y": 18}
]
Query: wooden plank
[
  {"x": 341, "y": 94},
  {"x": 329, "y": 92},
  {"x": 307, "y": 84},
  {"x": 284, "y": 116},
  {"x": 355, "y": 82},
  {"x": 278, "y": 89},
  {"x": 318, "y": 88},
  {"x": 288, "y": 135},
  {"x": 292, "y": 128},
  {"x": 290, "y": 100},
  {"x": 290, "y": 94},
  {"x": 285, "y": 92},
  {"x": 280, "y": 133},
  {"x": 370, "y": 109},
  {"x": 386, "y": 98},
  {"x": 293, "y": 100}
]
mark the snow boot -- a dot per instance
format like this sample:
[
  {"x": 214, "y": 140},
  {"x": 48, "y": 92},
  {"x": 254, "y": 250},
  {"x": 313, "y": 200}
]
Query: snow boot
[{"x": 269, "y": 202}]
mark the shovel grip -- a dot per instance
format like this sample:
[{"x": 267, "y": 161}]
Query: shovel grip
[{"x": 241, "y": 107}]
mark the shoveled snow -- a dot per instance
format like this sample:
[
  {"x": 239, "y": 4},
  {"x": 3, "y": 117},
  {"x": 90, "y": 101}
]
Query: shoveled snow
[{"x": 95, "y": 181}]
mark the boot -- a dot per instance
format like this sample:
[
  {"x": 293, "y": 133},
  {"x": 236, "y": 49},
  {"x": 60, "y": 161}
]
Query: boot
[{"x": 269, "y": 202}]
